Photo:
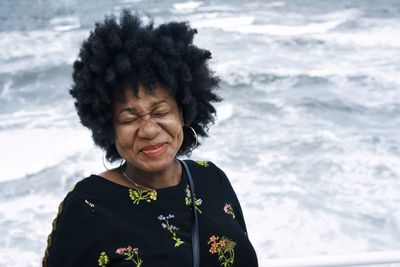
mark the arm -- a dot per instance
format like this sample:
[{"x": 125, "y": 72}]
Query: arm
[
  {"x": 232, "y": 195},
  {"x": 75, "y": 232}
]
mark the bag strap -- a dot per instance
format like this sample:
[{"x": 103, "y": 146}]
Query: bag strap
[{"x": 195, "y": 225}]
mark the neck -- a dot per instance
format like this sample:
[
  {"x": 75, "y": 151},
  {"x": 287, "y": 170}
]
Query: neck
[{"x": 166, "y": 178}]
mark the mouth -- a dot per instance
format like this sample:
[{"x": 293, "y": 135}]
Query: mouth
[{"x": 154, "y": 150}]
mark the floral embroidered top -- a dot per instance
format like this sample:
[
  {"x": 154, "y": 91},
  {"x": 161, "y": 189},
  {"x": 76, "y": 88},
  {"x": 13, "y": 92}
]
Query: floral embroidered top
[{"x": 101, "y": 223}]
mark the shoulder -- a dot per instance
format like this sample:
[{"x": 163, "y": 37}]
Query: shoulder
[
  {"x": 89, "y": 187},
  {"x": 85, "y": 186},
  {"x": 76, "y": 207},
  {"x": 202, "y": 166},
  {"x": 76, "y": 200},
  {"x": 207, "y": 171}
]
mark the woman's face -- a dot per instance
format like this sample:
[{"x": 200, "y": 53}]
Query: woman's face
[{"x": 148, "y": 129}]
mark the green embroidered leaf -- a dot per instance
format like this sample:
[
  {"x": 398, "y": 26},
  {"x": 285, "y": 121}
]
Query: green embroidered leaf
[
  {"x": 202, "y": 163},
  {"x": 138, "y": 194},
  {"x": 225, "y": 249},
  {"x": 188, "y": 200},
  {"x": 165, "y": 223},
  {"x": 103, "y": 259},
  {"x": 132, "y": 254}
]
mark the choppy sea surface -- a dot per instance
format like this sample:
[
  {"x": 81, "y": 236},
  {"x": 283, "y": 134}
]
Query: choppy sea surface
[{"x": 308, "y": 131}]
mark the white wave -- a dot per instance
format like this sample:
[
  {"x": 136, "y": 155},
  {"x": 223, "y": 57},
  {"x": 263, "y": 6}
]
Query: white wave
[
  {"x": 225, "y": 23},
  {"x": 28, "y": 223},
  {"x": 64, "y": 23},
  {"x": 345, "y": 15},
  {"x": 6, "y": 92},
  {"x": 284, "y": 30},
  {"x": 187, "y": 6},
  {"x": 26, "y": 258},
  {"x": 21, "y": 51},
  {"x": 278, "y": 182},
  {"x": 209, "y": 9},
  {"x": 31, "y": 150},
  {"x": 276, "y": 4},
  {"x": 33, "y": 118},
  {"x": 224, "y": 111},
  {"x": 235, "y": 72},
  {"x": 384, "y": 36},
  {"x": 245, "y": 25}
]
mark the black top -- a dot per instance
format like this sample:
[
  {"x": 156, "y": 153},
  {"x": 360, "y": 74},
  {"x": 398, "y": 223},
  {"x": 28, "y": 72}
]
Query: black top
[{"x": 101, "y": 223}]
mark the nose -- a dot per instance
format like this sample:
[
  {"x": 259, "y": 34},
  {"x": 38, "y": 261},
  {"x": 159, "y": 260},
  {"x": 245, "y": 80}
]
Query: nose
[{"x": 148, "y": 128}]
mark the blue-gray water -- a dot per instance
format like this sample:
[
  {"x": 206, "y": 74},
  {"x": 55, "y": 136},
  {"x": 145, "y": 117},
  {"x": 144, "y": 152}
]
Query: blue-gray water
[{"x": 308, "y": 132}]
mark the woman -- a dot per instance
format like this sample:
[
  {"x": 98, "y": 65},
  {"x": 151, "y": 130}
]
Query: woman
[{"x": 144, "y": 93}]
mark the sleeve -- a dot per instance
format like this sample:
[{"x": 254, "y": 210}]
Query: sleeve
[
  {"x": 75, "y": 233},
  {"x": 233, "y": 197}
]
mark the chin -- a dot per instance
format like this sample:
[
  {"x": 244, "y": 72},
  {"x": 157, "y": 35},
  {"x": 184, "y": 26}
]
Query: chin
[{"x": 154, "y": 165}]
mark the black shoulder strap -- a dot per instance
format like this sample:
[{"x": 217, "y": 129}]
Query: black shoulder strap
[{"x": 195, "y": 226}]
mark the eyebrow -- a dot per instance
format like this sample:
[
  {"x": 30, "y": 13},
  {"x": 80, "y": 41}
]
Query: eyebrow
[{"x": 133, "y": 110}]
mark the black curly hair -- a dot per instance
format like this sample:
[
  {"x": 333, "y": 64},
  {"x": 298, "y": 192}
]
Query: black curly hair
[{"x": 132, "y": 54}]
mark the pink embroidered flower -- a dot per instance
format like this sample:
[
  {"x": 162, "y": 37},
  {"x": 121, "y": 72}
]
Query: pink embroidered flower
[
  {"x": 120, "y": 251},
  {"x": 132, "y": 254},
  {"x": 229, "y": 210}
]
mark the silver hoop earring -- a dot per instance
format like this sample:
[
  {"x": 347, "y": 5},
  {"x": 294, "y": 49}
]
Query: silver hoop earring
[
  {"x": 104, "y": 165},
  {"x": 195, "y": 137}
]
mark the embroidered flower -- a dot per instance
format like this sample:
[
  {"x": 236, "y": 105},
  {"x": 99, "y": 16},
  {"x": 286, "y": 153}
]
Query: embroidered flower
[
  {"x": 132, "y": 254},
  {"x": 142, "y": 194},
  {"x": 229, "y": 210},
  {"x": 224, "y": 247},
  {"x": 89, "y": 203},
  {"x": 153, "y": 195},
  {"x": 202, "y": 163},
  {"x": 103, "y": 259},
  {"x": 188, "y": 200},
  {"x": 171, "y": 228}
]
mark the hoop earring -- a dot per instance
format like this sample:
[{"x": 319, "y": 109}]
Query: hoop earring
[
  {"x": 104, "y": 165},
  {"x": 195, "y": 137}
]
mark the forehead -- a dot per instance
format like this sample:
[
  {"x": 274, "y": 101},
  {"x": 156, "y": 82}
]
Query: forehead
[{"x": 144, "y": 99}]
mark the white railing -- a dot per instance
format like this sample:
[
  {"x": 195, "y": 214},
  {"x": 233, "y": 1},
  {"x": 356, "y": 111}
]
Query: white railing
[{"x": 367, "y": 258}]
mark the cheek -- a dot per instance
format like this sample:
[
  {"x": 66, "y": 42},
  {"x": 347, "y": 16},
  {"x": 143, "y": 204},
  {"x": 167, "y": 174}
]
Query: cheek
[
  {"x": 180, "y": 136},
  {"x": 123, "y": 137},
  {"x": 175, "y": 130},
  {"x": 178, "y": 129}
]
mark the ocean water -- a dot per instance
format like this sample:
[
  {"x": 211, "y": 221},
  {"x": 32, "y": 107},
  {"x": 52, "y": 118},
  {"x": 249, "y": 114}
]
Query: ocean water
[{"x": 308, "y": 131}]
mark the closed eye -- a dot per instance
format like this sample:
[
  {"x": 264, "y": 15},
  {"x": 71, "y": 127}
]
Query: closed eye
[
  {"x": 160, "y": 114},
  {"x": 130, "y": 120}
]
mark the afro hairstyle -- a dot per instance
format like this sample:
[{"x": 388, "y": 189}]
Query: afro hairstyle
[{"x": 128, "y": 54}]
